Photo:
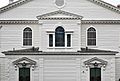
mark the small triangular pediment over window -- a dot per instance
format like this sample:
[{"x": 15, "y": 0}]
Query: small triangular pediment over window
[
  {"x": 95, "y": 60},
  {"x": 60, "y": 14},
  {"x": 24, "y": 60}
]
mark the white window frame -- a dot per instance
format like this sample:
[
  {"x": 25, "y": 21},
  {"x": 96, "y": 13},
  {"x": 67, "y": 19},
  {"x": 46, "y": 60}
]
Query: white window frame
[
  {"x": 53, "y": 33},
  {"x": 92, "y": 46},
  {"x": 24, "y": 46}
]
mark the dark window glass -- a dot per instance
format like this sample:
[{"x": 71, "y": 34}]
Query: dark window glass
[
  {"x": 50, "y": 40},
  {"x": 95, "y": 74},
  {"x": 27, "y": 37},
  {"x": 59, "y": 37},
  {"x": 24, "y": 74},
  {"x": 91, "y": 36},
  {"x": 68, "y": 40}
]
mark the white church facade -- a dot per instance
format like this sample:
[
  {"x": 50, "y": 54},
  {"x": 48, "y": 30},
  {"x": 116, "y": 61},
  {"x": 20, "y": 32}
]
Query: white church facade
[{"x": 59, "y": 40}]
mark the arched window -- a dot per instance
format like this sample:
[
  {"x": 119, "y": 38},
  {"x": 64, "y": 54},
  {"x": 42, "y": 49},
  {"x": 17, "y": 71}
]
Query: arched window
[
  {"x": 59, "y": 37},
  {"x": 91, "y": 36},
  {"x": 27, "y": 37}
]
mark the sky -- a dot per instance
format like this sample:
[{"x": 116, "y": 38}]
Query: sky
[{"x": 113, "y": 2}]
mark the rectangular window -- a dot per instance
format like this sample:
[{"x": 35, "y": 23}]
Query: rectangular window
[
  {"x": 68, "y": 40},
  {"x": 50, "y": 40},
  {"x": 24, "y": 74}
]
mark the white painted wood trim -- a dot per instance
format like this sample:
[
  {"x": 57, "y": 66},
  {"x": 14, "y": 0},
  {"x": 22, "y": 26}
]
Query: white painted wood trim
[
  {"x": 92, "y": 46},
  {"x": 17, "y": 73},
  {"x": 41, "y": 70},
  {"x": 32, "y": 37},
  {"x": 40, "y": 34},
  {"x": 78, "y": 69}
]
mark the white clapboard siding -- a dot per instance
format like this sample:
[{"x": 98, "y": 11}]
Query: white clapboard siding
[
  {"x": 61, "y": 69},
  {"x": 108, "y": 36},
  {"x": 12, "y": 36}
]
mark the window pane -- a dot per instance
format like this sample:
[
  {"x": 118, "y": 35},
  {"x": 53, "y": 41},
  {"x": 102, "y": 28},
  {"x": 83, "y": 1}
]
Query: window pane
[
  {"x": 91, "y": 36},
  {"x": 68, "y": 40},
  {"x": 50, "y": 40},
  {"x": 27, "y": 36},
  {"x": 91, "y": 42},
  {"x": 59, "y": 37}
]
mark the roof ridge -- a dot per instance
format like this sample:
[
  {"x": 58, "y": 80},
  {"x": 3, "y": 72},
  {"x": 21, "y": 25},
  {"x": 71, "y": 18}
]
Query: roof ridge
[
  {"x": 106, "y": 5},
  {"x": 12, "y": 5}
]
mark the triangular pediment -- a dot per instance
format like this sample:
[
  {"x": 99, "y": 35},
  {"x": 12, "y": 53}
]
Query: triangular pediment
[
  {"x": 60, "y": 14},
  {"x": 95, "y": 60},
  {"x": 24, "y": 60},
  {"x": 89, "y": 9}
]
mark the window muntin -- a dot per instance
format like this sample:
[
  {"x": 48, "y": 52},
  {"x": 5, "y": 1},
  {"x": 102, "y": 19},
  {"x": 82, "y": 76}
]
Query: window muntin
[
  {"x": 59, "y": 37},
  {"x": 27, "y": 37},
  {"x": 91, "y": 36}
]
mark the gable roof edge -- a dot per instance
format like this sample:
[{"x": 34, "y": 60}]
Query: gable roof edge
[
  {"x": 12, "y": 5},
  {"x": 106, "y": 5},
  {"x": 98, "y": 2}
]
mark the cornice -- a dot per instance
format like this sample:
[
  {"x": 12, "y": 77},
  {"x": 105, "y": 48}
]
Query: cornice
[
  {"x": 88, "y": 62},
  {"x": 71, "y": 16},
  {"x": 106, "y": 5},
  {"x": 18, "y": 21},
  {"x": 32, "y": 62},
  {"x": 12, "y": 5},
  {"x": 37, "y": 22},
  {"x": 59, "y": 18},
  {"x": 100, "y": 21}
]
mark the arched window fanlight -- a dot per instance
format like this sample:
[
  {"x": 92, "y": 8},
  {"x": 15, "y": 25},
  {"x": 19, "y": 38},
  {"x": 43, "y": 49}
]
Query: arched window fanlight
[
  {"x": 91, "y": 36},
  {"x": 59, "y": 37},
  {"x": 27, "y": 37}
]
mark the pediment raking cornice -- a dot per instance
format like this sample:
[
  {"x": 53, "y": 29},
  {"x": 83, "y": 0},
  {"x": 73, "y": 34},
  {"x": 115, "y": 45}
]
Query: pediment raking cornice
[
  {"x": 13, "y": 5},
  {"x": 31, "y": 62},
  {"x": 98, "y": 2},
  {"x": 59, "y": 12},
  {"x": 89, "y": 62}
]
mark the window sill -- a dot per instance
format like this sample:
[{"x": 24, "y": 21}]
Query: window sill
[
  {"x": 27, "y": 46},
  {"x": 92, "y": 46},
  {"x": 59, "y": 47}
]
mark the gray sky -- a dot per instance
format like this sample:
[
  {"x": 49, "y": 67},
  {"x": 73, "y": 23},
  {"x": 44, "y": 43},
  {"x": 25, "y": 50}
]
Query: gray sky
[{"x": 113, "y": 2}]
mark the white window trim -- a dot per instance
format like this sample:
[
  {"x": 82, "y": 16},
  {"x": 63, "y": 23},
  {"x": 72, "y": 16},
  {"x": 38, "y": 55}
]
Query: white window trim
[
  {"x": 92, "y": 46},
  {"x": 66, "y": 32},
  {"x": 0, "y": 36},
  {"x": 24, "y": 46}
]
